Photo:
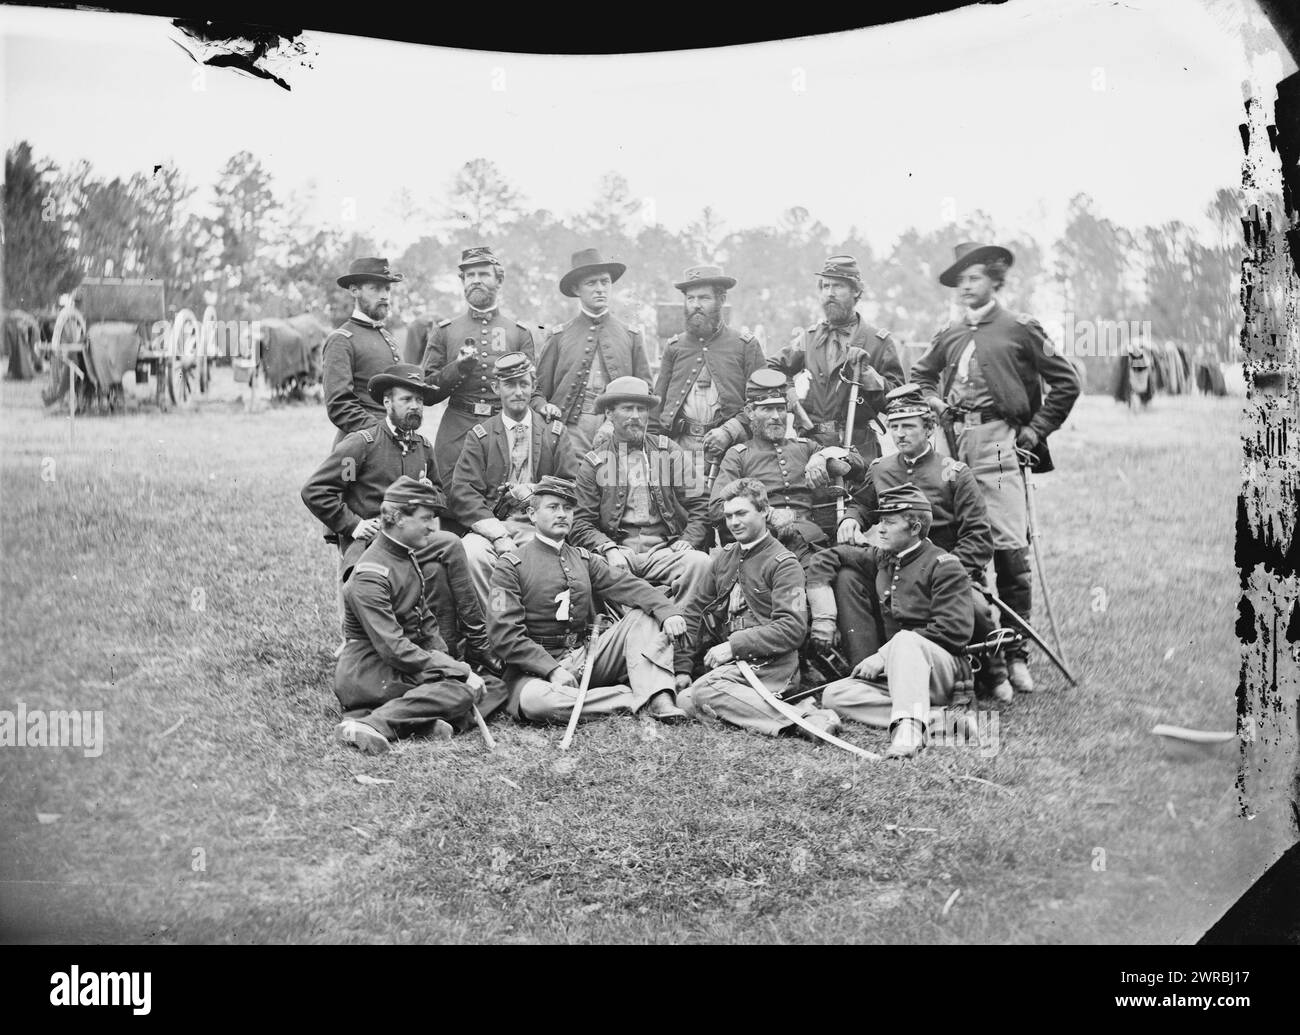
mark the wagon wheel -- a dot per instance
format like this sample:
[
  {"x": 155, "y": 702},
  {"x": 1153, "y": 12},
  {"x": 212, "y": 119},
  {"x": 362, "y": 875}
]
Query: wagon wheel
[
  {"x": 207, "y": 348},
  {"x": 69, "y": 325},
  {"x": 183, "y": 361}
]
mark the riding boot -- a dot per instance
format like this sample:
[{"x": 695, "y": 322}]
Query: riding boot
[{"x": 1015, "y": 587}]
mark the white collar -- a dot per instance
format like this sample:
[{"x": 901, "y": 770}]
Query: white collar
[
  {"x": 919, "y": 456},
  {"x": 903, "y": 553},
  {"x": 555, "y": 544},
  {"x": 367, "y": 321},
  {"x": 511, "y": 423},
  {"x": 976, "y": 315},
  {"x": 593, "y": 316},
  {"x": 483, "y": 312},
  {"x": 746, "y": 547}
]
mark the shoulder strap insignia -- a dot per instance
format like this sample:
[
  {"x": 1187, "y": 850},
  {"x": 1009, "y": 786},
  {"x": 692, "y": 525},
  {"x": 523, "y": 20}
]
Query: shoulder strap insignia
[
  {"x": 511, "y": 556},
  {"x": 583, "y": 552},
  {"x": 875, "y": 461},
  {"x": 368, "y": 434},
  {"x": 663, "y": 441},
  {"x": 882, "y": 335},
  {"x": 555, "y": 328},
  {"x": 444, "y": 323},
  {"x": 594, "y": 458},
  {"x": 746, "y": 337},
  {"x": 375, "y": 569},
  {"x": 673, "y": 340},
  {"x": 479, "y": 430},
  {"x": 556, "y": 427},
  {"x": 947, "y": 557},
  {"x": 730, "y": 548},
  {"x": 520, "y": 323},
  {"x": 740, "y": 447},
  {"x": 341, "y": 330},
  {"x": 1025, "y": 318}
]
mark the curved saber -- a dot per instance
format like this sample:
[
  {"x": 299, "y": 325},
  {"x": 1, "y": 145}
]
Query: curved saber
[
  {"x": 1032, "y": 516},
  {"x": 796, "y": 718},
  {"x": 586, "y": 682},
  {"x": 1028, "y": 630},
  {"x": 482, "y": 728}
]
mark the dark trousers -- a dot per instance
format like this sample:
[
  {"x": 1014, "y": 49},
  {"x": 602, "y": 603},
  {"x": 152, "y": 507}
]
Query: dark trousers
[
  {"x": 414, "y": 713},
  {"x": 1015, "y": 587}
]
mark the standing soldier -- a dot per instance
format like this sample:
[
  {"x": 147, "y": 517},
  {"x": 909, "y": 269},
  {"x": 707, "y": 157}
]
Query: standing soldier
[
  {"x": 589, "y": 351},
  {"x": 791, "y": 469},
  {"x": 395, "y": 678},
  {"x": 542, "y": 604},
  {"x": 498, "y": 464},
  {"x": 461, "y": 352},
  {"x": 360, "y": 349},
  {"x": 636, "y": 505},
  {"x": 992, "y": 364},
  {"x": 751, "y": 608},
  {"x": 840, "y": 348},
  {"x": 702, "y": 371}
]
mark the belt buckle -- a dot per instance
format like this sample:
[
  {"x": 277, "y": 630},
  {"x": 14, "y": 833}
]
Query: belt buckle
[
  {"x": 482, "y": 409},
  {"x": 570, "y": 640}
]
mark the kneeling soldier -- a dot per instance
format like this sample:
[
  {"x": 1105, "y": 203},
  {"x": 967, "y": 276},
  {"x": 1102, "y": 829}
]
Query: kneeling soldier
[
  {"x": 499, "y": 461},
  {"x": 794, "y": 471},
  {"x": 395, "y": 678},
  {"x": 541, "y": 606},
  {"x": 757, "y": 587},
  {"x": 928, "y": 615}
]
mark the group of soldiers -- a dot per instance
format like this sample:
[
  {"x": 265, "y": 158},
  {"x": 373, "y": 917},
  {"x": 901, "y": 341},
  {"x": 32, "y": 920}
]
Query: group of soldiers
[{"x": 734, "y": 526}]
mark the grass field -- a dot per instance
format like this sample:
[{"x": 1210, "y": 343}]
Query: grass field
[{"x": 164, "y": 570}]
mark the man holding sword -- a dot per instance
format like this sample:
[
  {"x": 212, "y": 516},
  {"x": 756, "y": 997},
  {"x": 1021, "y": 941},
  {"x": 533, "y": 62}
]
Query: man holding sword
[{"x": 540, "y": 609}]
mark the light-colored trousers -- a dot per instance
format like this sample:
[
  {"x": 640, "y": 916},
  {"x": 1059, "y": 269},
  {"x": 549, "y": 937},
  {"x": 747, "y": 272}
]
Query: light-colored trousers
[
  {"x": 989, "y": 450},
  {"x": 919, "y": 672},
  {"x": 634, "y": 661},
  {"x": 726, "y": 694},
  {"x": 482, "y": 557},
  {"x": 679, "y": 572}
]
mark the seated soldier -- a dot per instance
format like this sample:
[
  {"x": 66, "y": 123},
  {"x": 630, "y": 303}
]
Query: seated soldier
[
  {"x": 928, "y": 618},
  {"x": 499, "y": 461},
  {"x": 345, "y": 493},
  {"x": 541, "y": 605},
  {"x": 395, "y": 678},
  {"x": 751, "y": 608},
  {"x": 791, "y": 469},
  {"x": 960, "y": 526},
  {"x": 636, "y": 502}
]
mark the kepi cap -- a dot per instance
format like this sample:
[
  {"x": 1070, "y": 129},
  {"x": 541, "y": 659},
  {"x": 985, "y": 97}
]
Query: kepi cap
[
  {"x": 900, "y": 498},
  {"x": 766, "y": 385},
  {"x": 553, "y": 486},
  {"x": 906, "y": 401},
  {"x": 512, "y": 365},
  {"x": 409, "y": 491}
]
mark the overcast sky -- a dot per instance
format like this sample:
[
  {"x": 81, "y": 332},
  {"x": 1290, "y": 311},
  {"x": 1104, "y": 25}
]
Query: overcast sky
[{"x": 1010, "y": 108}]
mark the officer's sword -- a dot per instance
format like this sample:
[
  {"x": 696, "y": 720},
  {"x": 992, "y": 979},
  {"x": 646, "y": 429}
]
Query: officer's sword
[
  {"x": 588, "y": 665},
  {"x": 796, "y": 718},
  {"x": 1031, "y": 517},
  {"x": 1028, "y": 630},
  {"x": 482, "y": 728}
]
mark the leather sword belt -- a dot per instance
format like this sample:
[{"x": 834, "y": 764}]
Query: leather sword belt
[
  {"x": 692, "y": 427},
  {"x": 477, "y": 409},
  {"x": 568, "y": 640},
  {"x": 830, "y": 427},
  {"x": 977, "y": 416}
]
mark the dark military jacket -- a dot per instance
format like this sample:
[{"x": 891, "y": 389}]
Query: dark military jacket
[
  {"x": 353, "y": 354},
  {"x": 927, "y": 591},
  {"x": 1014, "y": 352},
  {"x": 772, "y": 582},
  {"x": 566, "y": 360},
  {"x": 541, "y": 593},
  {"x": 731, "y": 356},
  {"x": 960, "y": 520},
  {"x": 827, "y": 403},
  {"x": 602, "y": 489},
  {"x": 391, "y": 633},
  {"x": 781, "y": 467},
  {"x": 468, "y": 387},
  {"x": 484, "y": 466},
  {"x": 349, "y": 485}
]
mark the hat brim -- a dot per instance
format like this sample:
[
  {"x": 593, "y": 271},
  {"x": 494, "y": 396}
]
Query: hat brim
[
  {"x": 908, "y": 414},
  {"x": 614, "y": 269},
  {"x": 380, "y": 383},
  {"x": 604, "y": 402},
  {"x": 768, "y": 400},
  {"x": 726, "y": 283},
  {"x": 360, "y": 278},
  {"x": 568, "y": 497},
  {"x": 948, "y": 278}
]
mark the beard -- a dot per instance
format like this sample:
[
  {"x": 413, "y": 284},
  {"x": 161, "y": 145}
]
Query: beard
[
  {"x": 411, "y": 421},
  {"x": 633, "y": 436},
  {"x": 772, "y": 431},
  {"x": 702, "y": 325},
  {"x": 480, "y": 296},
  {"x": 377, "y": 311},
  {"x": 836, "y": 313}
]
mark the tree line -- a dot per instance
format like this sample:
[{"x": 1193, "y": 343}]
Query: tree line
[{"x": 254, "y": 252}]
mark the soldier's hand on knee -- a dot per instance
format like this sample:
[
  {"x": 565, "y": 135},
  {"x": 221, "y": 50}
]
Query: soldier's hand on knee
[
  {"x": 718, "y": 655},
  {"x": 503, "y": 544},
  {"x": 815, "y": 473},
  {"x": 674, "y": 626},
  {"x": 475, "y": 682},
  {"x": 848, "y": 531},
  {"x": 617, "y": 558},
  {"x": 679, "y": 545},
  {"x": 561, "y": 676},
  {"x": 824, "y": 633},
  {"x": 869, "y": 668},
  {"x": 366, "y": 529},
  {"x": 682, "y": 681}
]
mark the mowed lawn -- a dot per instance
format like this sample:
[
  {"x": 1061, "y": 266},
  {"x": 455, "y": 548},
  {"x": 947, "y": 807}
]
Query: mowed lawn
[{"x": 166, "y": 572}]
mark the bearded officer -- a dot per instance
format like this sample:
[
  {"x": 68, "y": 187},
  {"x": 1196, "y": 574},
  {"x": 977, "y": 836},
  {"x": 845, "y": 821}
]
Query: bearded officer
[
  {"x": 346, "y": 491},
  {"x": 702, "y": 372},
  {"x": 591, "y": 350},
  {"x": 843, "y": 346},
  {"x": 461, "y": 351},
  {"x": 361, "y": 348},
  {"x": 541, "y": 606},
  {"x": 959, "y": 524},
  {"x": 637, "y": 501},
  {"x": 501, "y": 459},
  {"x": 395, "y": 678},
  {"x": 792, "y": 470},
  {"x": 983, "y": 375},
  {"x": 751, "y": 608},
  {"x": 928, "y": 617}
]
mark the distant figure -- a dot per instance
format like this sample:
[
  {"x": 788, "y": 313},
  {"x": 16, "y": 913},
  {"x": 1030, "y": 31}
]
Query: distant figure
[
  {"x": 1135, "y": 377},
  {"x": 1209, "y": 378}
]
